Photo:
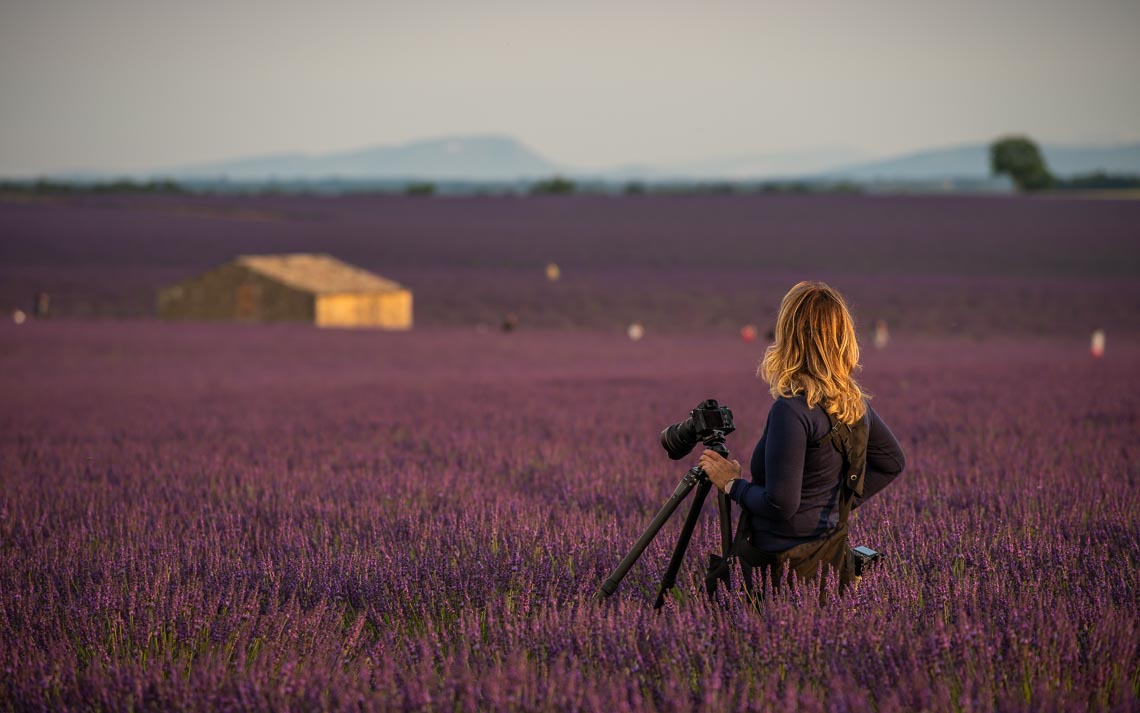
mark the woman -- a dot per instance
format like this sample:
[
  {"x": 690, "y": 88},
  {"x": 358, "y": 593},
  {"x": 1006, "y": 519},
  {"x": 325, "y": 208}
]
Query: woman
[{"x": 795, "y": 490}]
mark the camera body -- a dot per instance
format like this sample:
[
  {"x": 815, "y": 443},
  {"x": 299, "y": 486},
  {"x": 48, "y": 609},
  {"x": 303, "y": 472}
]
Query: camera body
[
  {"x": 864, "y": 558},
  {"x": 708, "y": 423}
]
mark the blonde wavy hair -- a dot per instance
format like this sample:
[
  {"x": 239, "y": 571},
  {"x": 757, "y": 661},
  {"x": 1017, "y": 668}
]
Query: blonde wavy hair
[{"x": 815, "y": 352}]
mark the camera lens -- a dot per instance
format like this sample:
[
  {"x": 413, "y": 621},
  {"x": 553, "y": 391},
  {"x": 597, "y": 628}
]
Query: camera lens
[{"x": 679, "y": 439}]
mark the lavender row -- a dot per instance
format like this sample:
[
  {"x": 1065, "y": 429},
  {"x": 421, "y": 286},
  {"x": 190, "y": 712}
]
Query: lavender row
[
  {"x": 224, "y": 517},
  {"x": 663, "y": 300},
  {"x": 1012, "y": 236}
]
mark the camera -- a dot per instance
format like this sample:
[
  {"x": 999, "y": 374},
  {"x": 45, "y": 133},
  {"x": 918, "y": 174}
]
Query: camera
[
  {"x": 707, "y": 423},
  {"x": 864, "y": 558}
]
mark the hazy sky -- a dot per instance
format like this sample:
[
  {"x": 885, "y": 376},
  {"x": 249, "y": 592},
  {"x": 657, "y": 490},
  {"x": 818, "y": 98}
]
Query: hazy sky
[{"x": 142, "y": 84}]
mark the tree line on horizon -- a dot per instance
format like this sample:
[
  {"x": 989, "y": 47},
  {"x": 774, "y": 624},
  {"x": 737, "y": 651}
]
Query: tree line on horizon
[{"x": 1017, "y": 157}]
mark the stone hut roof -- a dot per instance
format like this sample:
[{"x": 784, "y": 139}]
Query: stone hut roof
[{"x": 317, "y": 273}]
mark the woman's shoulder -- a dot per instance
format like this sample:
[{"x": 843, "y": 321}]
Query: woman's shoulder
[
  {"x": 795, "y": 408},
  {"x": 797, "y": 403}
]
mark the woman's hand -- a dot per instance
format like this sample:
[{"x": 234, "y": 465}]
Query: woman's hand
[{"x": 719, "y": 470}]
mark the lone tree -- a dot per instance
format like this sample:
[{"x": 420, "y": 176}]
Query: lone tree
[{"x": 1020, "y": 158}]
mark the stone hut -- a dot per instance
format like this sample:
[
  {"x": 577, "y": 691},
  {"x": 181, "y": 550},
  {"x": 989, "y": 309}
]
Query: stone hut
[{"x": 300, "y": 287}]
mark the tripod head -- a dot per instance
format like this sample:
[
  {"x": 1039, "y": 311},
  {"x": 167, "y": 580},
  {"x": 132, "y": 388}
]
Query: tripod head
[{"x": 715, "y": 442}]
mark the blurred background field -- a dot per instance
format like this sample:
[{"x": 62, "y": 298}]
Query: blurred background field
[{"x": 959, "y": 265}]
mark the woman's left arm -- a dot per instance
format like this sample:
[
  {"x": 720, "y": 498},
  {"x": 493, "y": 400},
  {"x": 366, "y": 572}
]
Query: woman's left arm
[{"x": 885, "y": 458}]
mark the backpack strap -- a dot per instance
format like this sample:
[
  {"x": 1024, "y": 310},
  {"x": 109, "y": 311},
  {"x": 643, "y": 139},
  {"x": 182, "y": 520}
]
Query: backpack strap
[
  {"x": 851, "y": 442},
  {"x": 827, "y": 437}
]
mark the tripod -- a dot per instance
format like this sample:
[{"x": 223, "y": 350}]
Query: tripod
[{"x": 694, "y": 478}]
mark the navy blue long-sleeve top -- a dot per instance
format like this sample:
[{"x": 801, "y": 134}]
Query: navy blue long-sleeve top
[{"x": 793, "y": 496}]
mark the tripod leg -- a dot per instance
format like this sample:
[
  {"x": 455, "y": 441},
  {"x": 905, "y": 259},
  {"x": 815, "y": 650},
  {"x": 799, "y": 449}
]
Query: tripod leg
[
  {"x": 687, "y": 483},
  {"x": 691, "y": 518},
  {"x": 724, "y": 505}
]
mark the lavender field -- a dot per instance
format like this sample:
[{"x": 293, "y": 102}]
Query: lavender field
[
  {"x": 237, "y": 517},
  {"x": 961, "y": 265}
]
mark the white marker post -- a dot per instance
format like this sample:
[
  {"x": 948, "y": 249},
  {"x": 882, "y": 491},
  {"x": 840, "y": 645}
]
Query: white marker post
[
  {"x": 882, "y": 335},
  {"x": 1097, "y": 346}
]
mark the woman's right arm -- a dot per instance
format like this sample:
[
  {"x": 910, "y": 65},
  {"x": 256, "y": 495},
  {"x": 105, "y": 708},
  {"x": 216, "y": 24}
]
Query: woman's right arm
[
  {"x": 785, "y": 443},
  {"x": 885, "y": 458}
]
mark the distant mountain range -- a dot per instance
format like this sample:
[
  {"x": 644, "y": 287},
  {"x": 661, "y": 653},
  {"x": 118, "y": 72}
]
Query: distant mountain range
[
  {"x": 501, "y": 158},
  {"x": 473, "y": 158}
]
